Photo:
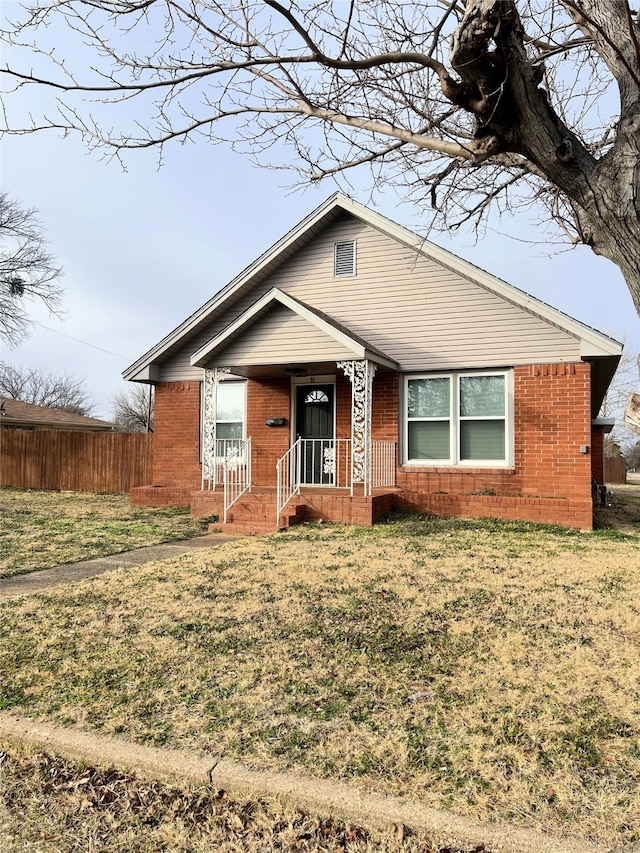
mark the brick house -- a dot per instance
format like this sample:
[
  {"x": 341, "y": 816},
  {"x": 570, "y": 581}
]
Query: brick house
[{"x": 355, "y": 368}]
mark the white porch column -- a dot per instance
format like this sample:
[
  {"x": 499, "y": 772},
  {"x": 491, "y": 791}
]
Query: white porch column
[
  {"x": 212, "y": 378},
  {"x": 360, "y": 374}
]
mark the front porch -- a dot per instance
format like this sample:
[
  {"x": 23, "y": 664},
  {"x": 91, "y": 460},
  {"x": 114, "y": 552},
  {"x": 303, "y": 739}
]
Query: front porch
[
  {"x": 255, "y": 511},
  {"x": 305, "y": 424},
  {"x": 316, "y": 480}
]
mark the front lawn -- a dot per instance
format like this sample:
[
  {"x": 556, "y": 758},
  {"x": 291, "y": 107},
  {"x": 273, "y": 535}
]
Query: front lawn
[
  {"x": 485, "y": 667},
  {"x": 41, "y": 529}
]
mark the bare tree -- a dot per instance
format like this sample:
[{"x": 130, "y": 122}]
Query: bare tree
[
  {"x": 466, "y": 105},
  {"x": 133, "y": 409},
  {"x": 615, "y": 400},
  {"x": 633, "y": 457},
  {"x": 28, "y": 271},
  {"x": 42, "y": 387}
]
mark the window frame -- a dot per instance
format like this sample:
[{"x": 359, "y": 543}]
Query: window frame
[
  {"x": 243, "y": 421},
  {"x": 455, "y": 419},
  {"x": 227, "y": 382}
]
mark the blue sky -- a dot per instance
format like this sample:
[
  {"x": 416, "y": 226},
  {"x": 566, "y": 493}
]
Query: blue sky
[{"x": 143, "y": 248}]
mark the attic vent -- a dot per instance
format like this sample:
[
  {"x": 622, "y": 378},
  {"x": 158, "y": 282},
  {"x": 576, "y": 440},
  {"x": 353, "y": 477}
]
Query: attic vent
[{"x": 344, "y": 258}]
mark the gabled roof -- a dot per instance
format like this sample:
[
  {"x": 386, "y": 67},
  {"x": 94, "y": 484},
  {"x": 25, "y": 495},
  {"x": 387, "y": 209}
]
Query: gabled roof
[
  {"x": 358, "y": 348},
  {"x": 14, "y": 413},
  {"x": 593, "y": 344}
]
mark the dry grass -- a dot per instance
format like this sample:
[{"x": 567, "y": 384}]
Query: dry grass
[
  {"x": 59, "y": 806},
  {"x": 624, "y": 512},
  {"x": 489, "y": 668},
  {"x": 43, "y": 529}
]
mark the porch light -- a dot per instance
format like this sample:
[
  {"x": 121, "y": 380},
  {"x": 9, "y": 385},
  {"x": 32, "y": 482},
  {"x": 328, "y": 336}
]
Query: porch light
[{"x": 295, "y": 371}]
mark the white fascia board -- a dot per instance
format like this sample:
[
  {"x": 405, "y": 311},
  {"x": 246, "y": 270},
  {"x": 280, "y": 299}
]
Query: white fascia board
[
  {"x": 143, "y": 370},
  {"x": 276, "y": 295}
]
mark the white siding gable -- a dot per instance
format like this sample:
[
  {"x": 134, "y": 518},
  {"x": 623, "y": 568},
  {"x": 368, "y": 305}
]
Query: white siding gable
[
  {"x": 420, "y": 313},
  {"x": 281, "y": 337}
]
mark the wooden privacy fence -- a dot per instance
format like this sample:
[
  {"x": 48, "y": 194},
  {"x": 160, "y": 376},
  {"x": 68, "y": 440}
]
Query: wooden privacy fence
[
  {"x": 615, "y": 469},
  {"x": 75, "y": 461}
]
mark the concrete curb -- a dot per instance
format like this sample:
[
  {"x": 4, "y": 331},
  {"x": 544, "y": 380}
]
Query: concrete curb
[{"x": 324, "y": 797}]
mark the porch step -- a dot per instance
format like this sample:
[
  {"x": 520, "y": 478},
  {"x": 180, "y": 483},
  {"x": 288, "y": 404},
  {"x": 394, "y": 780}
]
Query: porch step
[{"x": 255, "y": 512}]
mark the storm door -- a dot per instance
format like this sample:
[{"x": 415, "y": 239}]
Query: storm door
[{"x": 314, "y": 426}]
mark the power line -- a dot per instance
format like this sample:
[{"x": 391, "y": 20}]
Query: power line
[{"x": 86, "y": 343}]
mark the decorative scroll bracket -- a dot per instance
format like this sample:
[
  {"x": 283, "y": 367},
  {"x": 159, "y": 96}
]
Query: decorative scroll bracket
[
  {"x": 360, "y": 374},
  {"x": 212, "y": 379}
]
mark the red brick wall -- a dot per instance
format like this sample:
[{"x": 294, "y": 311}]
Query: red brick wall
[
  {"x": 385, "y": 409},
  {"x": 267, "y": 398},
  {"x": 384, "y": 413},
  {"x": 552, "y": 421},
  {"x": 550, "y": 480},
  {"x": 176, "y": 455}
]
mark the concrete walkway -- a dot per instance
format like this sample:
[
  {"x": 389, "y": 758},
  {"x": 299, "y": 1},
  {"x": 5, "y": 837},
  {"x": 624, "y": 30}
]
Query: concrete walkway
[{"x": 19, "y": 585}]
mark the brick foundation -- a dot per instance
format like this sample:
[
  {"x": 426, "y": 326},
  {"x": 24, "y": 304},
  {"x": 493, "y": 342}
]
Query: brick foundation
[
  {"x": 160, "y": 496},
  {"x": 342, "y": 508},
  {"x": 541, "y": 510}
]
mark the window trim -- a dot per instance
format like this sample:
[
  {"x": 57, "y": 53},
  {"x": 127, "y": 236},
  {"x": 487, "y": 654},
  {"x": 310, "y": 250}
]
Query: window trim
[
  {"x": 202, "y": 406},
  {"x": 455, "y": 419}
]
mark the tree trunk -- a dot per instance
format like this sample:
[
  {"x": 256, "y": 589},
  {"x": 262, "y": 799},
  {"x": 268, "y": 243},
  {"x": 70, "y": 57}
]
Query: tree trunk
[{"x": 514, "y": 115}]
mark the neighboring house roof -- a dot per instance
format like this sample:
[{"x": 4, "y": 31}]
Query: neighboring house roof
[
  {"x": 14, "y": 413},
  {"x": 600, "y": 349}
]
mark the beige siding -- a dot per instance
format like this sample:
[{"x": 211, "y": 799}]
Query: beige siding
[
  {"x": 281, "y": 337},
  {"x": 418, "y": 313}
]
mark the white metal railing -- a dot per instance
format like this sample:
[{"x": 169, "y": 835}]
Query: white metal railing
[
  {"x": 287, "y": 484},
  {"x": 327, "y": 462},
  {"x": 383, "y": 464},
  {"x": 324, "y": 462},
  {"x": 224, "y": 447},
  {"x": 312, "y": 462},
  {"x": 236, "y": 474}
]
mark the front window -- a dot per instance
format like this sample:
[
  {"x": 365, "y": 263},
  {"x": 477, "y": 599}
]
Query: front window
[
  {"x": 429, "y": 418},
  {"x": 457, "y": 419},
  {"x": 230, "y": 417}
]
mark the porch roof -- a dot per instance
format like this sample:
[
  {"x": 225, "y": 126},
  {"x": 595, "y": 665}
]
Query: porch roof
[{"x": 281, "y": 330}]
